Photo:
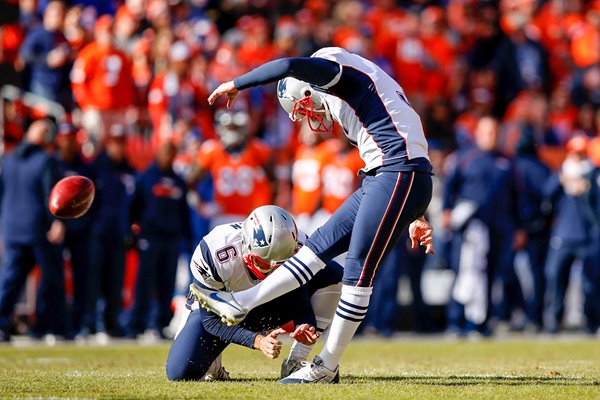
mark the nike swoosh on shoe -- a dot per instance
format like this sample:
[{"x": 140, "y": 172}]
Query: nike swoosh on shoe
[{"x": 216, "y": 297}]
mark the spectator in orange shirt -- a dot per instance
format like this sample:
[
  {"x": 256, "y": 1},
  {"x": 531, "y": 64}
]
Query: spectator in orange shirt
[
  {"x": 409, "y": 58},
  {"x": 240, "y": 167},
  {"x": 126, "y": 27},
  {"x": 102, "y": 82},
  {"x": 339, "y": 174},
  {"x": 563, "y": 114},
  {"x": 174, "y": 95},
  {"x": 556, "y": 21},
  {"x": 256, "y": 48},
  {"x": 11, "y": 36},
  {"x": 383, "y": 20},
  {"x": 585, "y": 40},
  {"x": 440, "y": 51},
  {"x": 310, "y": 158}
]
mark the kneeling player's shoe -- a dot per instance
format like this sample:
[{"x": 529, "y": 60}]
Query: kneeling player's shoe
[
  {"x": 313, "y": 372},
  {"x": 289, "y": 366},
  {"x": 221, "y": 303},
  {"x": 216, "y": 371}
]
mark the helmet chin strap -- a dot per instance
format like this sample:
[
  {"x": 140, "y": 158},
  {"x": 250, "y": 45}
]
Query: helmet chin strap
[{"x": 249, "y": 260}]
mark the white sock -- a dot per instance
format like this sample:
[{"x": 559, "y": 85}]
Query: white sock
[
  {"x": 294, "y": 273},
  {"x": 299, "y": 351},
  {"x": 324, "y": 302},
  {"x": 350, "y": 312}
]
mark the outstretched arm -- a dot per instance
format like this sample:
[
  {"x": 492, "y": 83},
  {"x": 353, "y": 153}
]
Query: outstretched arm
[{"x": 318, "y": 71}]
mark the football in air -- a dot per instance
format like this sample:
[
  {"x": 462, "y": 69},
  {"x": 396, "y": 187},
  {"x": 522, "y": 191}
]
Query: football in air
[{"x": 71, "y": 197}]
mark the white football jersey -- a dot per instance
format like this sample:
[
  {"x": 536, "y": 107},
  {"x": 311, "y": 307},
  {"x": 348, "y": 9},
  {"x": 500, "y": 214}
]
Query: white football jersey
[
  {"x": 373, "y": 111},
  {"x": 217, "y": 261}
]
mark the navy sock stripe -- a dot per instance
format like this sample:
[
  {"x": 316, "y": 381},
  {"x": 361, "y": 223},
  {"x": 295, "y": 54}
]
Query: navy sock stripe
[
  {"x": 293, "y": 273},
  {"x": 296, "y": 259},
  {"x": 348, "y": 318},
  {"x": 353, "y": 305},
  {"x": 358, "y": 314},
  {"x": 299, "y": 270}
]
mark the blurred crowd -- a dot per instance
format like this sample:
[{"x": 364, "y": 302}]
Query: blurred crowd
[{"x": 508, "y": 91}]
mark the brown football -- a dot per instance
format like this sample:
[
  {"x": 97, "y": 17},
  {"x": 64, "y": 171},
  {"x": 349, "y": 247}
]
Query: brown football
[{"x": 71, "y": 197}]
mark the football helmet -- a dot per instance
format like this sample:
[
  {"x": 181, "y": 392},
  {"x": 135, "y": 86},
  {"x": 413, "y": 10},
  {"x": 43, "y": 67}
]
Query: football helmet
[
  {"x": 232, "y": 127},
  {"x": 299, "y": 99},
  {"x": 269, "y": 238}
]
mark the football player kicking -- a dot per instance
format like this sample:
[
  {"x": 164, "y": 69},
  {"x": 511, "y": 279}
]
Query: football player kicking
[
  {"x": 236, "y": 257},
  {"x": 335, "y": 85}
]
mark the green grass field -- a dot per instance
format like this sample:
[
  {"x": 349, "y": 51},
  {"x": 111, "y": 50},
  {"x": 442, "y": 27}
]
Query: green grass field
[{"x": 399, "y": 369}]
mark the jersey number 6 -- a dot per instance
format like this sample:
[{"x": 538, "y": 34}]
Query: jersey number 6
[{"x": 226, "y": 253}]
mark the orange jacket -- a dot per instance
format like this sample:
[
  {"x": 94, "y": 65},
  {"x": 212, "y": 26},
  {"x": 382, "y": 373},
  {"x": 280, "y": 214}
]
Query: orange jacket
[{"x": 101, "y": 78}]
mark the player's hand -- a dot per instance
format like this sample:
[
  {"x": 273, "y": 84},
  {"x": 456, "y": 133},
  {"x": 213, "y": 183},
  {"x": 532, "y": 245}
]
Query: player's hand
[
  {"x": 305, "y": 334},
  {"x": 520, "y": 239},
  {"x": 227, "y": 88},
  {"x": 57, "y": 58},
  {"x": 269, "y": 345},
  {"x": 57, "y": 231},
  {"x": 421, "y": 233}
]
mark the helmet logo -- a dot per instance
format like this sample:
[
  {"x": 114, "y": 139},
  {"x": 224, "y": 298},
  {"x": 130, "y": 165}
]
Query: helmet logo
[
  {"x": 260, "y": 239},
  {"x": 281, "y": 87}
]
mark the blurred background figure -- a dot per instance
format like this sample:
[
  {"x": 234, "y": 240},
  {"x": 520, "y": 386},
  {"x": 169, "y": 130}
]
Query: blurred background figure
[
  {"x": 313, "y": 153},
  {"x": 30, "y": 234},
  {"x": 115, "y": 183},
  {"x": 531, "y": 177},
  {"x": 573, "y": 199},
  {"x": 480, "y": 206},
  {"x": 102, "y": 82},
  {"x": 241, "y": 168},
  {"x": 77, "y": 236},
  {"x": 48, "y": 57},
  {"x": 339, "y": 175},
  {"x": 160, "y": 211},
  {"x": 174, "y": 96}
]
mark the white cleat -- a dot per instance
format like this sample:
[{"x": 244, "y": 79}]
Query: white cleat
[
  {"x": 313, "y": 372},
  {"x": 221, "y": 303}
]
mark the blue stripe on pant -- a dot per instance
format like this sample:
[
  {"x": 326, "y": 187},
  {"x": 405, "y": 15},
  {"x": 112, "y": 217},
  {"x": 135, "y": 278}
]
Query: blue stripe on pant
[{"x": 370, "y": 222}]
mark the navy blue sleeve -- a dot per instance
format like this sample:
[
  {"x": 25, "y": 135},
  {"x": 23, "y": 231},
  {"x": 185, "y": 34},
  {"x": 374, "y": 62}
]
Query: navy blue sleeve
[
  {"x": 552, "y": 189},
  {"x": 451, "y": 188},
  {"x": 234, "y": 334},
  {"x": 50, "y": 176},
  {"x": 184, "y": 215},
  {"x": 317, "y": 71},
  {"x": 31, "y": 51},
  {"x": 136, "y": 205}
]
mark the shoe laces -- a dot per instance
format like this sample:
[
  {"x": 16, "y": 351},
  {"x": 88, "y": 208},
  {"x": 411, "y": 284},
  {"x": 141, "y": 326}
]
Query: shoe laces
[{"x": 316, "y": 369}]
